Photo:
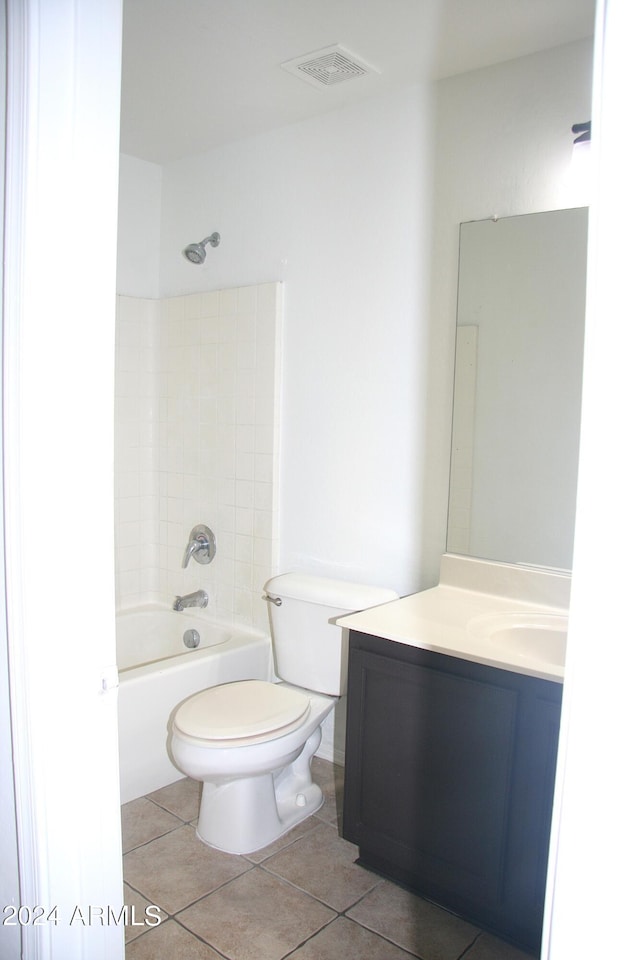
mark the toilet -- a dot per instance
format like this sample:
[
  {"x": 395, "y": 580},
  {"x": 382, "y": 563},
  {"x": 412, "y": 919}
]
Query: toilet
[{"x": 251, "y": 742}]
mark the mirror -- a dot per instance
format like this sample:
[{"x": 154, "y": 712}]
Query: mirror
[{"x": 517, "y": 392}]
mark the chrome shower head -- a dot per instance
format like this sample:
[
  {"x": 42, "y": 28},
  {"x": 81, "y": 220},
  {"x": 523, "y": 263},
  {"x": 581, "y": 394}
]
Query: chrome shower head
[{"x": 196, "y": 253}]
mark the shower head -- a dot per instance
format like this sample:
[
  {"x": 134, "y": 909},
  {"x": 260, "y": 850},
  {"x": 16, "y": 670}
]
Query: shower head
[{"x": 196, "y": 252}]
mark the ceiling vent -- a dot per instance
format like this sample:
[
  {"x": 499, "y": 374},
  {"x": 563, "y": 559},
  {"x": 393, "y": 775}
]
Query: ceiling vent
[{"x": 325, "y": 68}]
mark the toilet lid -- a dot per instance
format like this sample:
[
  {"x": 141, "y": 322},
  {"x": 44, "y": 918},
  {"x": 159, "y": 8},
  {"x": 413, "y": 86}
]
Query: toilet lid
[{"x": 247, "y": 708}]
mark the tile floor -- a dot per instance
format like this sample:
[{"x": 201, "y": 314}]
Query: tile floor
[{"x": 302, "y": 898}]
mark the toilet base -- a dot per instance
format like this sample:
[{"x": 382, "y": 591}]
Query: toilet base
[{"x": 246, "y": 814}]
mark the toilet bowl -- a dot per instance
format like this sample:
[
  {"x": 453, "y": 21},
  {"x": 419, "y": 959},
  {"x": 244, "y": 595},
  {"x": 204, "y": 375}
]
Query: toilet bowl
[
  {"x": 251, "y": 742},
  {"x": 256, "y": 786}
]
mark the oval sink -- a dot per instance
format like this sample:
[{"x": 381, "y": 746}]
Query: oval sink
[{"x": 540, "y": 637}]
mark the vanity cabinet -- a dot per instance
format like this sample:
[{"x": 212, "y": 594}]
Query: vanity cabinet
[{"x": 450, "y": 768}]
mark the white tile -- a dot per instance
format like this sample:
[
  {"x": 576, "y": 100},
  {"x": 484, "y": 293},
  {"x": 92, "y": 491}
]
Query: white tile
[
  {"x": 226, "y": 409},
  {"x": 175, "y": 513},
  {"x": 226, "y": 329},
  {"x": 247, "y": 299},
  {"x": 244, "y": 493},
  {"x": 242, "y": 575},
  {"x": 245, "y": 382},
  {"x": 245, "y": 466},
  {"x": 246, "y": 357},
  {"x": 244, "y": 522},
  {"x": 246, "y": 329},
  {"x": 226, "y": 358},
  {"x": 127, "y": 484},
  {"x": 128, "y": 509},
  {"x": 262, "y": 552},
  {"x": 264, "y": 441},
  {"x": 228, "y": 301},
  {"x": 192, "y": 306},
  {"x": 175, "y": 482},
  {"x": 226, "y": 545},
  {"x": 208, "y": 410},
  {"x": 191, "y": 331},
  {"x": 210, "y": 303},
  {"x": 259, "y": 575},
  {"x": 263, "y": 524},
  {"x": 128, "y": 558},
  {"x": 245, "y": 438},
  {"x": 245, "y": 410},
  {"x": 263, "y": 499},
  {"x": 263, "y": 468},
  {"x": 268, "y": 299},
  {"x": 242, "y": 606},
  {"x": 175, "y": 308}
]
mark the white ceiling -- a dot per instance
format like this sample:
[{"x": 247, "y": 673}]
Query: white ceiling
[{"x": 200, "y": 73}]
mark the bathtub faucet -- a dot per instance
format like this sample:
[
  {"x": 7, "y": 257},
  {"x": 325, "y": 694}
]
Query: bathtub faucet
[{"x": 197, "y": 599}]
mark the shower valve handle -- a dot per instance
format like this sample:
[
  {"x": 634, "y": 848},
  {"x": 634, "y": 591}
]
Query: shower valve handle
[{"x": 201, "y": 546}]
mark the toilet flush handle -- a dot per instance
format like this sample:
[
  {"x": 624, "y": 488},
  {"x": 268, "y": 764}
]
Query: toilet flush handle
[{"x": 275, "y": 600}]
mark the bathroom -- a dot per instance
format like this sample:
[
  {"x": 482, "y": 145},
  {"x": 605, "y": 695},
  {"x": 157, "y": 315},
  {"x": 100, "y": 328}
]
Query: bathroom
[
  {"x": 389, "y": 545},
  {"x": 355, "y": 440}
]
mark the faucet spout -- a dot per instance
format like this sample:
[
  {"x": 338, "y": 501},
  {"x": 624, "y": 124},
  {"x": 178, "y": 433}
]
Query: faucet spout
[{"x": 197, "y": 599}]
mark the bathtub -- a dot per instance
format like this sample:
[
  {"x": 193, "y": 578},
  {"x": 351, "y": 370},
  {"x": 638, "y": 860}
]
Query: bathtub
[{"x": 157, "y": 671}]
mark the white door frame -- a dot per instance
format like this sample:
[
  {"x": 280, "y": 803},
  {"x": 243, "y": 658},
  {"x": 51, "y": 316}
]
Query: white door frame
[
  {"x": 63, "y": 108},
  {"x": 63, "y": 104},
  {"x": 593, "y": 887}
]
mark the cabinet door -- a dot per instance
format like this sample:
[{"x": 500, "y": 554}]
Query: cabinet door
[
  {"x": 449, "y": 780},
  {"x": 531, "y": 803},
  {"x": 433, "y": 772}
]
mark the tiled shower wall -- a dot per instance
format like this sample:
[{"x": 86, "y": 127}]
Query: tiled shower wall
[{"x": 197, "y": 429}]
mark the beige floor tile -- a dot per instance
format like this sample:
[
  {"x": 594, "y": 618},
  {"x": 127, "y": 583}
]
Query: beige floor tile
[
  {"x": 169, "y": 941},
  {"x": 177, "y": 869},
  {"x": 487, "y": 947},
  {"x": 413, "y": 924},
  {"x": 142, "y": 821},
  {"x": 345, "y": 940},
  {"x": 300, "y": 830},
  {"x": 181, "y": 798},
  {"x": 256, "y": 917},
  {"x": 136, "y": 911},
  {"x": 322, "y": 864}
]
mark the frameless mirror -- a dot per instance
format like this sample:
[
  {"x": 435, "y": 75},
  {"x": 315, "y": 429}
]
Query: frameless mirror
[{"x": 518, "y": 380}]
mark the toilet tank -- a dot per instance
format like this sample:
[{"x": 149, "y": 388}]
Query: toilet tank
[{"x": 309, "y": 650}]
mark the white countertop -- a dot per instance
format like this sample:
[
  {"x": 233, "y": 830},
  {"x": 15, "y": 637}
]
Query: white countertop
[{"x": 452, "y": 620}]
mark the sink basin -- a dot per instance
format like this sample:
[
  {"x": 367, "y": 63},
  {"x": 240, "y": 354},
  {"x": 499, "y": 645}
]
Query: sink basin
[{"x": 524, "y": 636}]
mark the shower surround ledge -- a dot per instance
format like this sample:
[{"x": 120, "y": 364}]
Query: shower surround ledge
[{"x": 197, "y": 441}]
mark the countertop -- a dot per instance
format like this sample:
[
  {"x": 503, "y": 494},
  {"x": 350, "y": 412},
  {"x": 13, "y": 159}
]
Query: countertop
[{"x": 452, "y": 620}]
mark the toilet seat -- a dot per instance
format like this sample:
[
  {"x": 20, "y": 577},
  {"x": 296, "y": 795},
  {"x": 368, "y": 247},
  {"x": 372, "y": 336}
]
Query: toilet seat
[{"x": 241, "y": 713}]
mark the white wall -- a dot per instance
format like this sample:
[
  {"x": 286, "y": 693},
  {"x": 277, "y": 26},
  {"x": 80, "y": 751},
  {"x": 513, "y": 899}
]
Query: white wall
[
  {"x": 139, "y": 211},
  {"x": 339, "y": 208},
  {"x": 61, "y": 174}
]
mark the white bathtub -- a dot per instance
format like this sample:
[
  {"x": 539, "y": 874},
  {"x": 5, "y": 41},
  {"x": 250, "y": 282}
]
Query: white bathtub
[{"x": 157, "y": 671}]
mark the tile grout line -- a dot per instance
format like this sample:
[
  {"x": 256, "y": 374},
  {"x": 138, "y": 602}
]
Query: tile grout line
[
  {"x": 470, "y": 947},
  {"x": 269, "y": 871}
]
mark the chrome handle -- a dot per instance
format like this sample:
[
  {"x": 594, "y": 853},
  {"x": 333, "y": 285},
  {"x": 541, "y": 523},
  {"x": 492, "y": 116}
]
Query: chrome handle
[
  {"x": 201, "y": 546},
  {"x": 275, "y": 600}
]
